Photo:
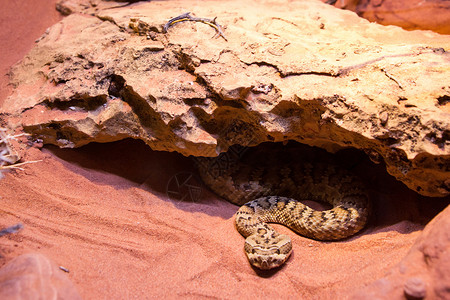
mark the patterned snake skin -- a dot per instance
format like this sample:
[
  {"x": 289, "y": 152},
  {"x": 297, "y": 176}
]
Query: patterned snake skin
[{"x": 269, "y": 187}]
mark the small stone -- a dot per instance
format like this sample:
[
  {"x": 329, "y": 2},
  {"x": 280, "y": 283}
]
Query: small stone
[
  {"x": 415, "y": 288},
  {"x": 384, "y": 117}
]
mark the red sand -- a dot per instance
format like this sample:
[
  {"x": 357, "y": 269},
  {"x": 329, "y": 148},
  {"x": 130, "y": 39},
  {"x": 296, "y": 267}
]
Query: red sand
[
  {"x": 21, "y": 23},
  {"x": 103, "y": 213}
]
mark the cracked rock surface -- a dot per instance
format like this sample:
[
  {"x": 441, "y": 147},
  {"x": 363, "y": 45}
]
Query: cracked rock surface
[{"x": 302, "y": 71}]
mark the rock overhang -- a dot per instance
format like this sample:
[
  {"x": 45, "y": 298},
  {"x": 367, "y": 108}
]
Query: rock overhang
[{"x": 304, "y": 72}]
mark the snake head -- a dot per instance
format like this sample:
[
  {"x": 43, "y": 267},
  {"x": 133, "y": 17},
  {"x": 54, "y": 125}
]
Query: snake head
[{"x": 267, "y": 252}]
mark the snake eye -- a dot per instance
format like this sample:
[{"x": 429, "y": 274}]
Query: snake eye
[
  {"x": 278, "y": 251},
  {"x": 253, "y": 251}
]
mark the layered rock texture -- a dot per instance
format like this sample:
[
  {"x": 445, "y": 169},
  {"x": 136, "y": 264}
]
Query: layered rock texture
[
  {"x": 408, "y": 14},
  {"x": 301, "y": 71}
]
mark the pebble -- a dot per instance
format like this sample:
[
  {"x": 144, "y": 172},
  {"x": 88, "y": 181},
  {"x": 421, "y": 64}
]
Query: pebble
[{"x": 415, "y": 288}]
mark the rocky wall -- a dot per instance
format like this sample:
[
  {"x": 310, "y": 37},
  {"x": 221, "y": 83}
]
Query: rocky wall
[{"x": 302, "y": 71}]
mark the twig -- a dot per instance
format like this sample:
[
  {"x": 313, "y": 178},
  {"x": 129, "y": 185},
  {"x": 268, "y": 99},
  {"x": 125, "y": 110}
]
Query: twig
[
  {"x": 64, "y": 269},
  {"x": 6, "y": 156},
  {"x": 5, "y": 138},
  {"x": 187, "y": 17},
  {"x": 392, "y": 78},
  {"x": 16, "y": 166},
  {"x": 11, "y": 229}
]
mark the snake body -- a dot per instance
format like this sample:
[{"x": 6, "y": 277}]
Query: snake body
[{"x": 270, "y": 189}]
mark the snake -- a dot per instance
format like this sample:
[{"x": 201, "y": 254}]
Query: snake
[{"x": 269, "y": 186}]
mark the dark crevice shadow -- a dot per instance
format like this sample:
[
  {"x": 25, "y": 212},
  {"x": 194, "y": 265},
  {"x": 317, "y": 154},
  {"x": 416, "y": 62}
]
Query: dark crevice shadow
[
  {"x": 174, "y": 177},
  {"x": 394, "y": 206},
  {"x": 393, "y": 203},
  {"x": 168, "y": 175},
  {"x": 130, "y": 159}
]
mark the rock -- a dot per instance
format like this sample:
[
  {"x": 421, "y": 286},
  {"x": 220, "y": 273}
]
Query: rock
[
  {"x": 33, "y": 276},
  {"x": 415, "y": 288},
  {"x": 424, "y": 271},
  {"x": 409, "y": 14},
  {"x": 301, "y": 71}
]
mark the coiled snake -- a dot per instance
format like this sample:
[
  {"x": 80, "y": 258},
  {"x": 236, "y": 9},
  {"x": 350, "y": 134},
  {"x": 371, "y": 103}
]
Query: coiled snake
[{"x": 273, "y": 184}]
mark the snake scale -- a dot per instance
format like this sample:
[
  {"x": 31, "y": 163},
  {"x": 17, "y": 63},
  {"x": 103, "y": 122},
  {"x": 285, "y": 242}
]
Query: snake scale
[{"x": 270, "y": 184}]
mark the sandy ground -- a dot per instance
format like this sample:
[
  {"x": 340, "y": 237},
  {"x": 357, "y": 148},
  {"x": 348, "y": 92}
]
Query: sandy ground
[
  {"x": 127, "y": 225},
  {"x": 21, "y": 23},
  {"x": 112, "y": 214}
]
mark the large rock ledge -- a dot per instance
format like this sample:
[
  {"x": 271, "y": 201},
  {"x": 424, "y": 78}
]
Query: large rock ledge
[{"x": 301, "y": 71}]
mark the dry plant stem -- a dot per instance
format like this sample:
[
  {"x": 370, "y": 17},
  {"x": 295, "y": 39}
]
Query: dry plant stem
[
  {"x": 11, "y": 229},
  {"x": 16, "y": 166},
  {"x": 5, "y": 138},
  {"x": 187, "y": 17},
  {"x": 5, "y": 152}
]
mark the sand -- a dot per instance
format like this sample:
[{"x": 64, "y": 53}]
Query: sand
[{"x": 103, "y": 213}]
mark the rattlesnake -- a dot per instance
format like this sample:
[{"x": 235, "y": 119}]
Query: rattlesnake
[{"x": 274, "y": 182}]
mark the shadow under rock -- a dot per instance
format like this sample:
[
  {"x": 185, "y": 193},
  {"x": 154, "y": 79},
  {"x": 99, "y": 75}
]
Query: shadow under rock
[
  {"x": 169, "y": 175},
  {"x": 392, "y": 201},
  {"x": 174, "y": 178}
]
